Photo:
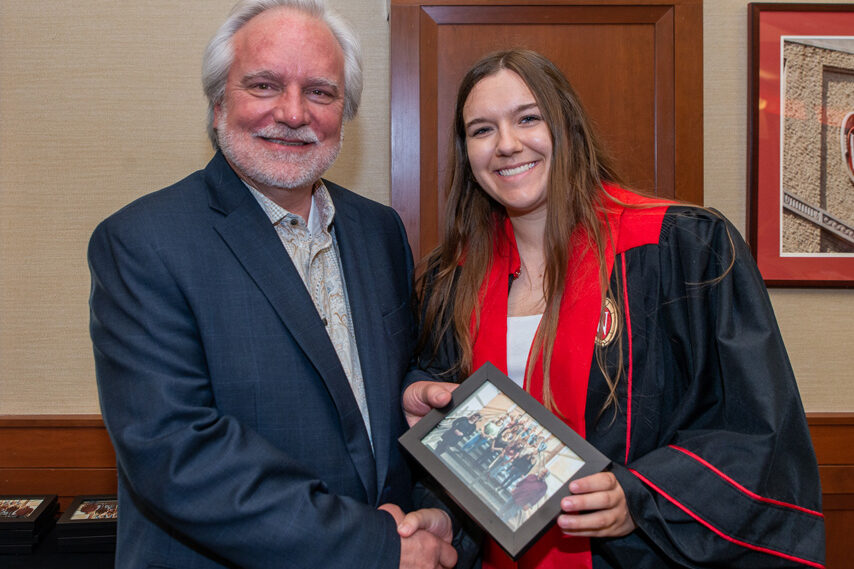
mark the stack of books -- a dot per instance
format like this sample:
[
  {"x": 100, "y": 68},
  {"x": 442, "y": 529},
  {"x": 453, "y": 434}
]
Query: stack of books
[
  {"x": 89, "y": 524},
  {"x": 25, "y": 520}
]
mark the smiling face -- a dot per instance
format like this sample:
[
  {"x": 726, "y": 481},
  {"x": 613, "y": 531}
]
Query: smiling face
[
  {"x": 279, "y": 125},
  {"x": 508, "y": 143}
]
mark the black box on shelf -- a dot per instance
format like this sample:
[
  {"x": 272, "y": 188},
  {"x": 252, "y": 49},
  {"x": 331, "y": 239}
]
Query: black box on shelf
[
  {"x": 89, "y": 524},
  {"x": 24, "y": 520}
]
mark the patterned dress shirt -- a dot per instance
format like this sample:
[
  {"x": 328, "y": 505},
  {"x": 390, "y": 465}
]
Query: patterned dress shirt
[{"x": 314, "y": 252}]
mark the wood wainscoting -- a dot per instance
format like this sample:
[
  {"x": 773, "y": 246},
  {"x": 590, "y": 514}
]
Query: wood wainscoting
[
  {"x": 833, "y": 438},
  {"x": 67, "y": 455},
  {"x": 71, "y": 455}
]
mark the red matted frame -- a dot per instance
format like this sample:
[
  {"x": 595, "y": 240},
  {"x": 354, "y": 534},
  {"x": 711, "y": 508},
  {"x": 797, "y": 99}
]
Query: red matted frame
[{"x": 768, "y": 24}]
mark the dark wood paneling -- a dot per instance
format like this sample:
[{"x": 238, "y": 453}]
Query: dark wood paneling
[
  {"x": 67, "y": 455},
  {"x": 837, "y": 479},
  {"x": 71, "y": 455},
  {"x": 827, "y": 429},
  {"x": 405, "y": 175},
  {"x": 833, "y": 439},
  {"x": 840, "y": 551},
  {"x": 636, "y": 65},
  {"x": 57, "y": 445}
]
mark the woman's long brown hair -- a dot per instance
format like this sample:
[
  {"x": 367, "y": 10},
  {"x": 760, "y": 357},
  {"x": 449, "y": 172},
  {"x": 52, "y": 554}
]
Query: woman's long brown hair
[{"x": 575, "y": 198}]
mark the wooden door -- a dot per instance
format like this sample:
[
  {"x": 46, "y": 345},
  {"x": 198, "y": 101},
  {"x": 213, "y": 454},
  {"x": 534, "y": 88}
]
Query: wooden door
[{"x": 636, "y": 64}]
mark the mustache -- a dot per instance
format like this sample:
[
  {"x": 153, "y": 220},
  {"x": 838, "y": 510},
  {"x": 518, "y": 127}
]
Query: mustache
[{"x": 302, "y": 134}]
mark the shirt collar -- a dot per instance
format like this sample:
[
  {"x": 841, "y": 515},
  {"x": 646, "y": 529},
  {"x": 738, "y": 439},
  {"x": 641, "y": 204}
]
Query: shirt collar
[{"x": 320, "y": 215}]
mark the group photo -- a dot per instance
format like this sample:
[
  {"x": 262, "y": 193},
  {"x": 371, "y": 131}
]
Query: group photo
[{"x": 502, "y": 454}]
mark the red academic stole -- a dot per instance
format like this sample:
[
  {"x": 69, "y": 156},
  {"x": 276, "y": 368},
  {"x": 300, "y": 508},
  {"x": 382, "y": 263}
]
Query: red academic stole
[{"x": 580, "y": 311}]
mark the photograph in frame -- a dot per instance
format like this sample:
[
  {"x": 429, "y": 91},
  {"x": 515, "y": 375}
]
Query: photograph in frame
[
  {"x": 95, "y": 510},
  {"x": 88, "y": 525},
  {"x": 27, "y": 512},
  {"x": 90, "y": 512},
  {"x": 25, "y": 520},
  {"x": 19, "y": 508},
  {"x": 801, "y": 172},
  {"x": 502, "y": 457}
]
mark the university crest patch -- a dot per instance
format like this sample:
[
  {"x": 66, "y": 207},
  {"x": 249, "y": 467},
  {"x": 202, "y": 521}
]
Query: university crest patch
[{"x": 608, "y": 324}]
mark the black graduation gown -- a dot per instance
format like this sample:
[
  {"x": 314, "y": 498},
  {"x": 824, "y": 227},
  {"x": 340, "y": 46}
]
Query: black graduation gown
[{"x": 709, "y": 439}]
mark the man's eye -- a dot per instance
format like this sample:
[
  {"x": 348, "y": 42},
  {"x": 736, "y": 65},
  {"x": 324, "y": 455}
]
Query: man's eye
[
  {"x": 321, "y": 95},
  {"x": 262, "y": 88}
]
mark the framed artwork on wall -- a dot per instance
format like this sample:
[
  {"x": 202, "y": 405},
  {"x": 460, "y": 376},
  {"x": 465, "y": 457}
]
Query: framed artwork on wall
[{"x": 801, "y": 143}]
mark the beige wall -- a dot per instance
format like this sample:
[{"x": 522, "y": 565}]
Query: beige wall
[{"x": 100, "y": 103}]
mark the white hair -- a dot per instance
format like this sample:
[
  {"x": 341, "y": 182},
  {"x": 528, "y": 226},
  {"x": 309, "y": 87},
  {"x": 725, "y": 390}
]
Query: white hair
[{"x": 219, "y": 53}]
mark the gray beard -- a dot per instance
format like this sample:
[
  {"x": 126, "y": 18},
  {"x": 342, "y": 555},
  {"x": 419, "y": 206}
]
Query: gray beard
[{"x": 269, "y": 168}]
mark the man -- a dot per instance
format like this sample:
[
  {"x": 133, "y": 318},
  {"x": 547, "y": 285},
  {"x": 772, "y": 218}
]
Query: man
[
  {"x": 520, "y": 466},
  {"x": 461, "y": 428},
  {"x": 484, "y": 434},
  {"x": 251, "y": 327}
]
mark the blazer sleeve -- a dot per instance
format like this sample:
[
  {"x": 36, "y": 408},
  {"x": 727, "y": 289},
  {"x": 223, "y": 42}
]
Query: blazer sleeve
[{"x": 188, "y": 466}]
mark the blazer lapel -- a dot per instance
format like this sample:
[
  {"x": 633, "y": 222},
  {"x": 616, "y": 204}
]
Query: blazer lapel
[
  {"x": 253, "y": 240},
  {"x": 383, "y": 398}
]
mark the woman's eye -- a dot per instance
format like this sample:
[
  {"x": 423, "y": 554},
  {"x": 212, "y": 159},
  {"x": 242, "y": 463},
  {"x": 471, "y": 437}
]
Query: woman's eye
[{"x": 528, "y": 119}]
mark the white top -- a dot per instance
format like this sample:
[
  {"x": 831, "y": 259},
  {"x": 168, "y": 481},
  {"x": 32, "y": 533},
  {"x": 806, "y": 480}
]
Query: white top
[{"x": 520, "y": 335}]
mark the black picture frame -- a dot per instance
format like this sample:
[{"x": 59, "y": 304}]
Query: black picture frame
[
  {"x": 40, "y": 510},
  {"x": 470, "y": 484},
  {"x": 75, "y": 519},
  {"x": 76, "y": 531}
]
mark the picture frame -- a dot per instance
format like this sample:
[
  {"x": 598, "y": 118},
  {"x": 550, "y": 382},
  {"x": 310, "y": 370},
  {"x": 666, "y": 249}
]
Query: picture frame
[
  {"x": 89, "y": 524},
  {"x": 800, "y": 220},
  {"x": 28, "y": 512},
  {"x": 24, "y": 520},
  {"x": 515, "y": 502},
  {"x": 90, "y": 512}
]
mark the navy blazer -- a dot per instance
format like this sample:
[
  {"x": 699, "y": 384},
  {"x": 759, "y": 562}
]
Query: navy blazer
[{"x": 237, "y": 436}]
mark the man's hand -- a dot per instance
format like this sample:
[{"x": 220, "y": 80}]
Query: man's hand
[
  {"x": 422, "y": 396},
  {"x": 432, "y": 520},
  {"x": 597, "y": 508},
  {"x": 425, "y": 538}
]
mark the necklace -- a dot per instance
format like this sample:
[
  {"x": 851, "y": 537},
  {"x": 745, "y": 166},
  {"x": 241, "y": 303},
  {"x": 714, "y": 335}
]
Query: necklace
[{"x": 523, "y": 266}]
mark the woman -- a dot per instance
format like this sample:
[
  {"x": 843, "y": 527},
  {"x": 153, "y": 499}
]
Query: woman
[{"x": 644, "y": 325}]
